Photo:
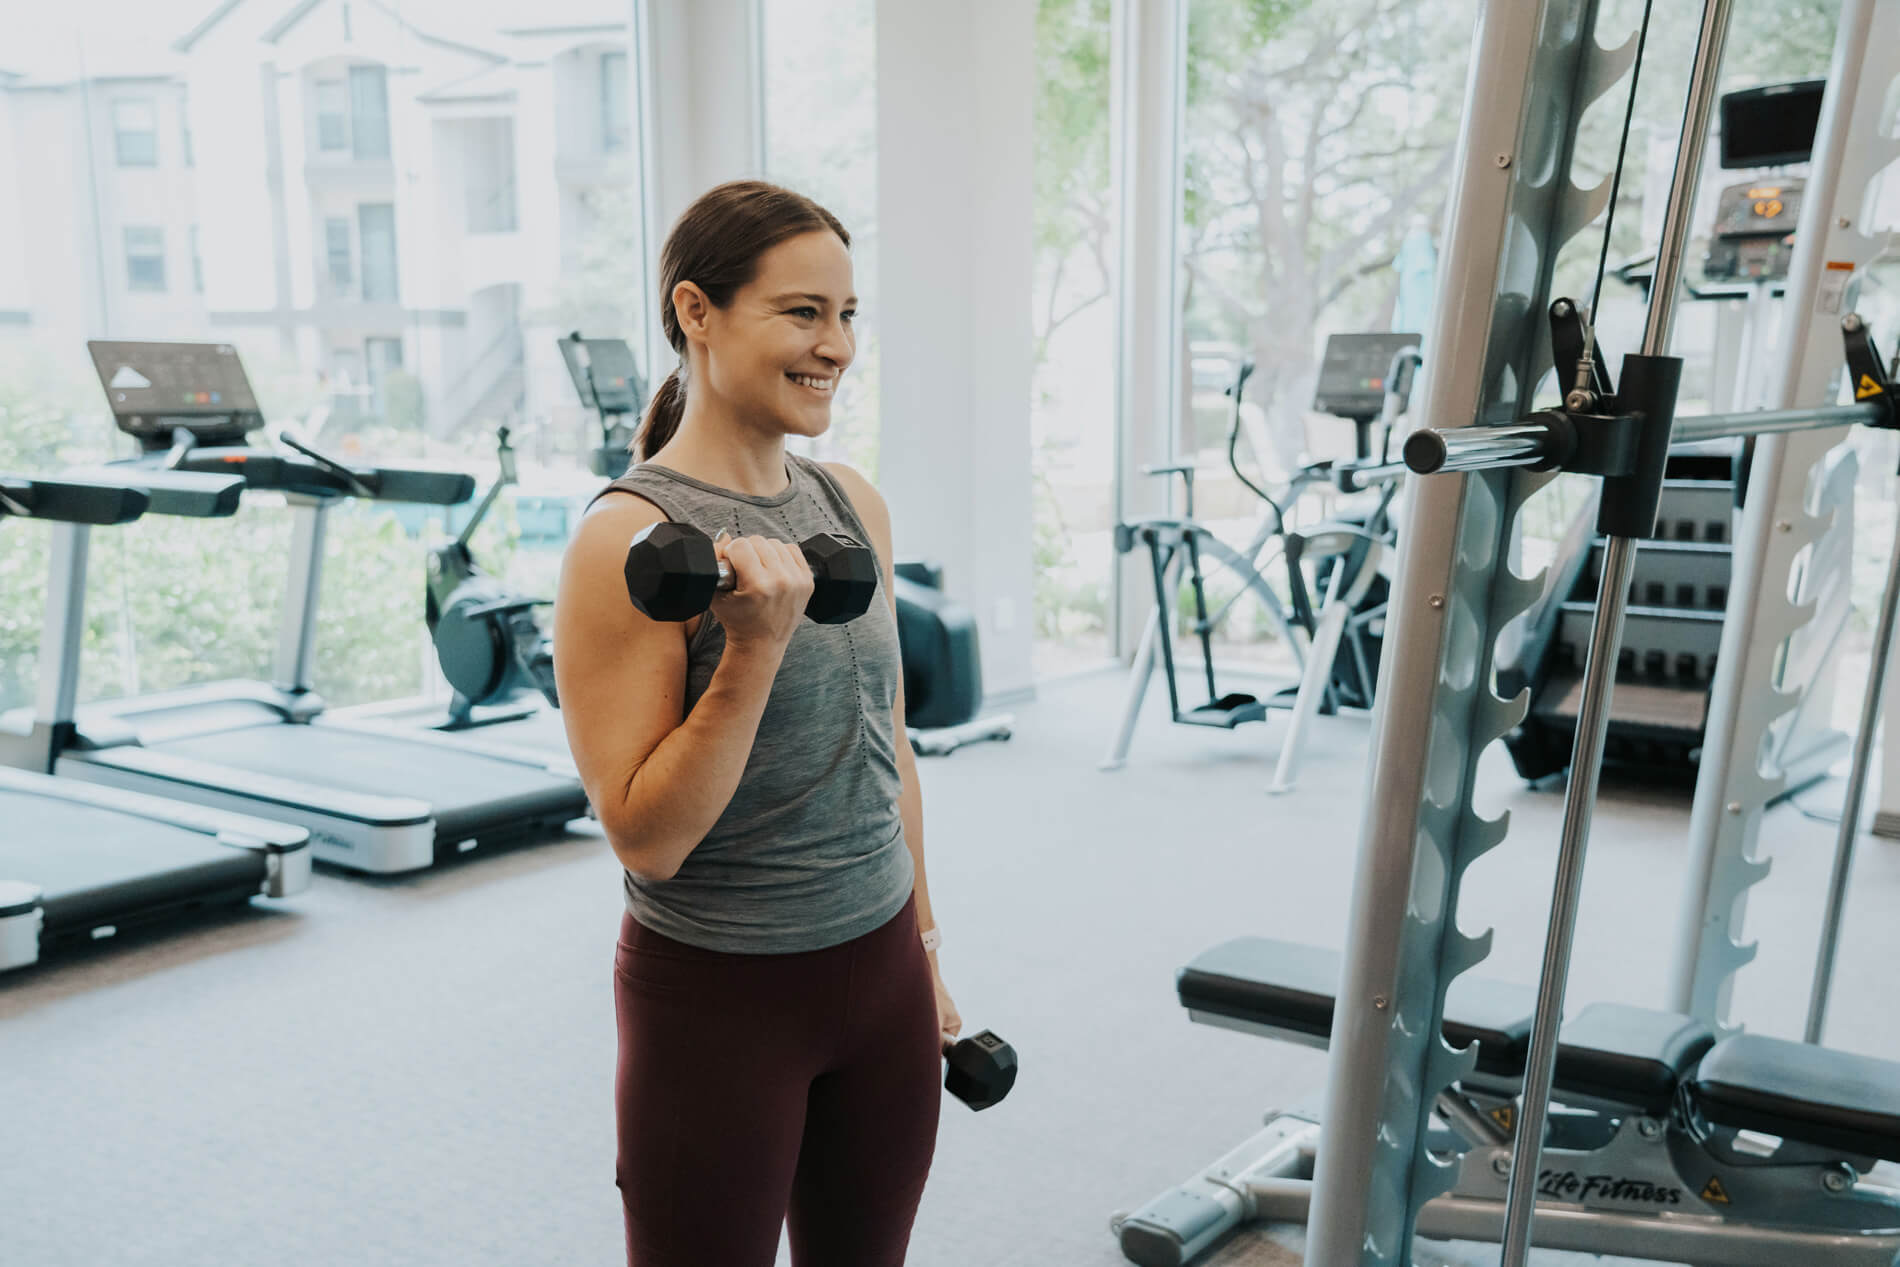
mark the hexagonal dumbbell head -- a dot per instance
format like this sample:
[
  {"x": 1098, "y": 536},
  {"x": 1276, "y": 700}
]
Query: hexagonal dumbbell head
[
  {"x": 845, "y": 575},
  {"x": 672, "y": 571},
  {"x": 979, "y": 1070}
]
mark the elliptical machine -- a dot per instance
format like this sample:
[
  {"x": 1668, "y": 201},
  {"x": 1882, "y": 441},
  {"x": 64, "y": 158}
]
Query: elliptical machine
[{"x": 486, "y": 640}]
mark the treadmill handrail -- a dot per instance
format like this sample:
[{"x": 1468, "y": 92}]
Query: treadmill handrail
[
  {"x": 70, "y": 501},
  {"x": 242, "y": 831},
  {"x": 321, "y": 798},
  {"x": 192, "y": 494},
  {"x": 266, "y": 468}
]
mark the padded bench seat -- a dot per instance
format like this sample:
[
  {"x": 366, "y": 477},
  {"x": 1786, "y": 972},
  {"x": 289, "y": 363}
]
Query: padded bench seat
[
  {"x": 1629, "y": 1056},
  {"x": 1830, "y": 1099},
  {"x": 1288, "y": 986}
]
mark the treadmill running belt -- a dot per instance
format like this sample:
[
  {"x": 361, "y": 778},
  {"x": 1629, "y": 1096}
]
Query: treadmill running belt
[{"x": 98, "y": 865}]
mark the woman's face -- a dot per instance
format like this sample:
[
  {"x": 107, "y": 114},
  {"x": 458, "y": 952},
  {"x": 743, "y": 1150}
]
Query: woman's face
[{"x": 775, "y": 355}]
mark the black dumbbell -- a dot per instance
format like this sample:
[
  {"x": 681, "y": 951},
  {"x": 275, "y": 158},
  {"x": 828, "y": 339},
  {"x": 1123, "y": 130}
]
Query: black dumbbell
[
  {"x": 980, "y": 1069},
  {"x": 673, "y": 572}
]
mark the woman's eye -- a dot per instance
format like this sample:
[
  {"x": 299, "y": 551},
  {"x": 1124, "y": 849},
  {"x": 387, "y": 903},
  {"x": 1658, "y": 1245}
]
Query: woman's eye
[
  {"x": 805, "y": 314},
  {"x": 850, "y": 315}
]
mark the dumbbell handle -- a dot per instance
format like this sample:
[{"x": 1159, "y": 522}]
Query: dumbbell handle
[{"x": 727, "y": 580}]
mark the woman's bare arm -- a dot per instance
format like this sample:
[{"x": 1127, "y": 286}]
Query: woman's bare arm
[{"x": 658, "y": 779}]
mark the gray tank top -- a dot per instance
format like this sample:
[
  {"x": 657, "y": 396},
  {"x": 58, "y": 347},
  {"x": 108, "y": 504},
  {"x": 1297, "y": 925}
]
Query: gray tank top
[{"x": 810, "y": 852}]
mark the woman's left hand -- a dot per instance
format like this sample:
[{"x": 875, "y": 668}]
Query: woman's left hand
[{"x": 949, "y": 1020}]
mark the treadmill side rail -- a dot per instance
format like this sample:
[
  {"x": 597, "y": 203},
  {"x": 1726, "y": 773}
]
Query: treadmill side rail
[
  {"x": 169, "y": 774},
  {"x": 263, "y": 835}
]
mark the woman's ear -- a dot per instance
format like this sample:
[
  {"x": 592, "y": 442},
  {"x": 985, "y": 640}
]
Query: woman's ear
[{"x": 692, "y": 309}]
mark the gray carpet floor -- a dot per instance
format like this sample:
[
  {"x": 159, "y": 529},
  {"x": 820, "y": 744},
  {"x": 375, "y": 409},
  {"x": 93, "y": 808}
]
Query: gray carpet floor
[{"x": 418, "y": 1070}]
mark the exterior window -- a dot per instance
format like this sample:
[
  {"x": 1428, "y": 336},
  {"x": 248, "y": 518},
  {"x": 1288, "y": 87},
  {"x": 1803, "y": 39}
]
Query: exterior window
[
  {"x": 614, "y": 105},
  {"x": 336, "y": 252},
  {"x": 145, "y": 258},
  {"x": 369, "y": 112},
  {"x": 197, "y": 264},
  {"x": 383, "y": 355},
  {"x": 135, "y": 133},
  {"x": 333, "y": 116},
  {"x": 184, "y": 136},
  {"x": 376, "y": 229}
]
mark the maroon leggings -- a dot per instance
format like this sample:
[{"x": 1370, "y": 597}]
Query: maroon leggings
[{"x": 761, "y": 1090}]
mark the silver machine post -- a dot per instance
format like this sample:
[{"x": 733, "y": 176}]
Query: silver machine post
[
  {"x": 1536, "y": 67},
  {"x": 1776, "y": 597},
  {"x": 1599, "y": 671},
  {"x": 1850, "y": 807}
]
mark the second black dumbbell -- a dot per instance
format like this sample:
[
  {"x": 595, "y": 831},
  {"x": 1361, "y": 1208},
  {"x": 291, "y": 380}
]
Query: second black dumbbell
[
  {"x": 979, "y": 1070},
  {"x": 673, "y": 573}
]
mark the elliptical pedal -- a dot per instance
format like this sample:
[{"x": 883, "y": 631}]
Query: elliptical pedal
[{"x": 1225, "y": 713}]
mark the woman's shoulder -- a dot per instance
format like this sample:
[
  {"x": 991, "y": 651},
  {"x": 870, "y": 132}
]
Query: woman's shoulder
[
  {"x": 612, "y": 521},
  {"x": 860, "y": 490}
]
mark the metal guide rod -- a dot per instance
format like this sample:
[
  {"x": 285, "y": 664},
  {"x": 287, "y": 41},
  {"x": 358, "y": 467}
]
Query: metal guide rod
[
  {"x": 1850, "y": 808},
  {"x": 1530, "y": 443},
  {"x": 1764, "y": 422},
  {"x": 1606, "y": 634}
]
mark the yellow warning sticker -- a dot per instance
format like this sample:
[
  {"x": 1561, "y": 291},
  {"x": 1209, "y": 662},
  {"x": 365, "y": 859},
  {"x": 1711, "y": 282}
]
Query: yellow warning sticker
[
  {"x": 1504, "y": 1117},
  {"x": 1868, "y": 386},
  {"x": 1713, "y": 1191}
]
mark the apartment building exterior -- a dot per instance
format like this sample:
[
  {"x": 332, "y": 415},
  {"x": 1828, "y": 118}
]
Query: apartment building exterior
[{"x": 339, "y": 185}]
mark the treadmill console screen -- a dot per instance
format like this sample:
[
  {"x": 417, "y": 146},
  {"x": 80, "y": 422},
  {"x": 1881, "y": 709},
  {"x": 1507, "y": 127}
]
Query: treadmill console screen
[
  {"x": 604, "y": 374},
  {"x": 1751, "y": 239},
  {"x": 1352, "y": 373},
  {"x": 155, "y": 388},
  {"x": 1772, "y": 125}
]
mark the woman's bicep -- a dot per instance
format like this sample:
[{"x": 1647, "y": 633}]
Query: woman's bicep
[{"x": 621, "y": 677}]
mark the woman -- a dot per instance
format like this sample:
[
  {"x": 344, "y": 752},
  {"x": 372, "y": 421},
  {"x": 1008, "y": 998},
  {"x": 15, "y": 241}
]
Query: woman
[{"x": 781, "y": 1013}]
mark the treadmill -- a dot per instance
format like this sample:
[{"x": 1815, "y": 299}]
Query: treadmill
[
  {"x": 80, "y": 863},
  {"x": 372, "y": 800}
]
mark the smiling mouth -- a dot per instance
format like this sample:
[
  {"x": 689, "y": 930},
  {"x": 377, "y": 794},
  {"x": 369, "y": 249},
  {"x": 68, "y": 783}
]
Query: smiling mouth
[{"x": 817, "y": 386}]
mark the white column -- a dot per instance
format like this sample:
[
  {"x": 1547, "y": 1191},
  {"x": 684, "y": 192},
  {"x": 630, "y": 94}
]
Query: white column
[
  {"x": 1148, "y": 60},
  {"x": 696, "y": 70},
  {"x": 956, "y": 149},
  {"x": 703, "y": 89}
]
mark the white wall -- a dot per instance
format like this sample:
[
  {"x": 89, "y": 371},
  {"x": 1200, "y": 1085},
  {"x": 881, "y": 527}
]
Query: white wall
[
  {"x": 704, "y": 95},
  {"x": 956, "y": 138}
]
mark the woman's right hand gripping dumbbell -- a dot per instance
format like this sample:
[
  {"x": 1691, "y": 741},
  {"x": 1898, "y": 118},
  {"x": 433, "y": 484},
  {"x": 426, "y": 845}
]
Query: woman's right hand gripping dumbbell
[{"x": 772, "y": 583}]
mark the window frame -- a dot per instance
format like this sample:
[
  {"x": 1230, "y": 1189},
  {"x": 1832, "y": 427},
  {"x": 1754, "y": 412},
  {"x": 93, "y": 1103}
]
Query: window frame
[
  {"x": 121, "y": 134},
  {"x": 345, "y": 285},
  {"x": 367, "y": 293},
  {"x": 616, "y": 103},
  {"x": 156, "y": 284},
  {"x": 370, "y": 140},
  {"x": 339, "y": 141}
]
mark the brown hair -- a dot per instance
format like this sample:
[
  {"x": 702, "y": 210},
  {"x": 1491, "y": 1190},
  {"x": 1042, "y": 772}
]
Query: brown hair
[{"x": 716, "y": 244}]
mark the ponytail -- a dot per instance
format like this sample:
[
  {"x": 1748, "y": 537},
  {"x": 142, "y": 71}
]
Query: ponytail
[{"x": 663, "y": 417}]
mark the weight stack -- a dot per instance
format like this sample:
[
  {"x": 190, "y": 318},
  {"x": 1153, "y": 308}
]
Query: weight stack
[{"x": 1673, "y": 628}]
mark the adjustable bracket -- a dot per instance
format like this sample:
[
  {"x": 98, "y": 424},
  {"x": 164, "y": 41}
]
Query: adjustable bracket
[{"x": 1568, "y": 338}]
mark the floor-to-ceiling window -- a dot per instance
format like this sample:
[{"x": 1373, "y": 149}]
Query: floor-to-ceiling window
[
  {"x": 441, "y": 215},
  {"x": 1318, "y": 144},
  {"x": 1073, "y": 412}
]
